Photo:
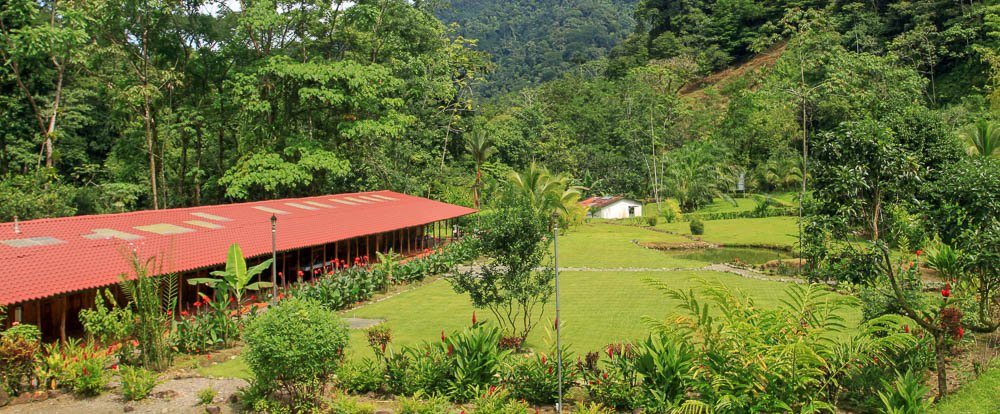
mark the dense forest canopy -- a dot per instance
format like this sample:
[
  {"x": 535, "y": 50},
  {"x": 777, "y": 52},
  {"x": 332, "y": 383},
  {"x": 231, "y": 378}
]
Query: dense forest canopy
[
  {"x": 114, "y": 107},
  {"x": 534, "y": 41}
]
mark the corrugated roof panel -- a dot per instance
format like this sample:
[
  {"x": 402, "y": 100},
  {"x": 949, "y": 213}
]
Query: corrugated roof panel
[{"x": 91, "y": 251}]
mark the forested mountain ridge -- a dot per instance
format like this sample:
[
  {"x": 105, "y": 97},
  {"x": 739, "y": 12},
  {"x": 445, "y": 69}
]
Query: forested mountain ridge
[{"x": 534, "y": 41}]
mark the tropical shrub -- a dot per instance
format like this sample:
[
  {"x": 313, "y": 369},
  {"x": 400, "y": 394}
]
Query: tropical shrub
[
  {"x": 663, "y": 363},
  {"x": 420, "y": 403},
  {"x": 905, "y": 395},
  {"x": 535, "y": 378},
  {"x": 495, "y": 400},
  {"x": 295, "y": 347},
  {"x": 341, "y": 289},
  {"x": 236, "y": 279},
  {"x": 612, "y": 382},
  {"x": 793, "y": 358},
  {"x": 206, "y": 395},
  {"x": 515, "y": 282},
  {"x": 651, "y": 221},
  {"x": 343, "y": 404},
  {"x": 152, "y": 299},
  {"x": 475, "y": 359},
  {"x": 592, "y": 408},
  {"x": 361, "y": 377},
  {"x": 697, "y": 227},
  {"x": 107, "y": 323},
  {"x": 88, "y": 371},
  {"x": 137, "y": 382},
  {"x": 670, "y": 210},
  {"x": 209, "y": 329},
  {"x": 18, "y": 348}
]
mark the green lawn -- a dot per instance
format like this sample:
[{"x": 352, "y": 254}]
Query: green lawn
[
  {"x": 981, "y": 396},
  {"x": 605, "y": 245},
  {"x": 597, "y": 307},
  {"x": 775, "y": 231}
]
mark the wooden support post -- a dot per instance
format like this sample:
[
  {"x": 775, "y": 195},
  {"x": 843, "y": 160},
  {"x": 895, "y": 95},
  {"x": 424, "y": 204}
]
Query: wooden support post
[
  {"x": 377, "y": 237},
  {"x": 180, "y": 294},
  {"x": 349, "y": 262},
  {"x": 324, "y": 260},
  {"x": 336, "y": 256},
  {"x": 62, "y": 318},
  {"x": 368, "y": 246}
]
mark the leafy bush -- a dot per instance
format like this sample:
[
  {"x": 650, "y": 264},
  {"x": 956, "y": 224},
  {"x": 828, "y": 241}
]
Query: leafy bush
[
  {"x": 535, "y": 378},
  {"x": 209, "y": 329},
  {"x": 670, "y": 210},
  {"x": 88, "y": 372},
  {"x": 340, "y": 290},
  {"x": 613, "y": 382},
  {"x": 18, "y": 348},
  {"x": 206, "y": 395},
  {"x": 421, "y": 404},
  {"x": 592, "y": 408},
  {"x": 137, "y": 382},
  {"x": 295, "y": 347},
  {"x": 663, "y": 363},
  {"x": 905, "y": 395},
  {"x": 749, "y": 347},
  {"x": 697, "y": 227},
  {"x": 475, "y": 358},
  {"x": 107, "y": 323},
  {"x": 361, "y": 377},
  {"x": 497, "y": 401},
  {"x": 343, "y": 404},
  {"x": 651, "y": 221}
]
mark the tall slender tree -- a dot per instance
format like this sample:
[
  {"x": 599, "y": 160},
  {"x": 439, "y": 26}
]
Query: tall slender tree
[{"x": 480, "y": 149}]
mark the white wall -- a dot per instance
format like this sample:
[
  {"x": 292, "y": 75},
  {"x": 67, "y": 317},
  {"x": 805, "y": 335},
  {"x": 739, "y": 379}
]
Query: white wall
[{"x": 619, "y": 210}]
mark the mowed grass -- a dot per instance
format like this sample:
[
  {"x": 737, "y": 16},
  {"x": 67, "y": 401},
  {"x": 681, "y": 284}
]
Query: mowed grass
[
  {"x": 770, "y": 231},
  {"x": 981, "y": 396},
  {"x": 597, "y": 308},
  {"x": 606, "y": 245}
]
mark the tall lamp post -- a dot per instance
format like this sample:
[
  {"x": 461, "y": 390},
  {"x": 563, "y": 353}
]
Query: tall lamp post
[
  {"x": 555, "y": 257},
  {"x": 274, "y": 258}
]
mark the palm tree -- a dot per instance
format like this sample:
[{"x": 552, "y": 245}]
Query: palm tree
[
  {"x": 544, "y": 191},
  {"x": 984, "y": 139},
  {"x": 481, "y": 149}
]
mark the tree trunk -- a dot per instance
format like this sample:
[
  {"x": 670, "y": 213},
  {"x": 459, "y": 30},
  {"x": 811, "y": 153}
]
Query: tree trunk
[
  {"x": 940, "y": 347},
  {"x": 148, "y": 121}
]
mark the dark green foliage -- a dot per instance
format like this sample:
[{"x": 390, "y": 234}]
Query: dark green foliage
[
  {"x": 137, "y": 382},
  {"x": 512, "y": 283},
  {"x": 697, "y": 227},
  {"x": 151, "y": 299},
  {"x": 296, "y": 347},
  {"x": 537, "y": 41},
  {"x": 18, "y": 348},
  {"x": 905, "y": 395}
]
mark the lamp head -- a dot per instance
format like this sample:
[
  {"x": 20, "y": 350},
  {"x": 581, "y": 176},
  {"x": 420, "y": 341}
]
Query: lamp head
[{"x": 274, "y": 218}]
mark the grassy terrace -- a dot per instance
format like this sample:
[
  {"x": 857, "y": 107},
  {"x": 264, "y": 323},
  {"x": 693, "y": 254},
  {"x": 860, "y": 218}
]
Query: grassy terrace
[{"x": 606, "y": 304}]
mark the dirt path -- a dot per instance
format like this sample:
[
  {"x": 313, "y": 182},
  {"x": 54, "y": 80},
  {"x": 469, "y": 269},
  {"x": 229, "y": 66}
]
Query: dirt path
[{"x": 179, "y": 395}]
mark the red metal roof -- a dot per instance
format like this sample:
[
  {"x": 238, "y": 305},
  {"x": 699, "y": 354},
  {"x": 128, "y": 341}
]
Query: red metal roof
[
  {"x": 601, "y": 202},
  {"x": 53, "y": 256}
]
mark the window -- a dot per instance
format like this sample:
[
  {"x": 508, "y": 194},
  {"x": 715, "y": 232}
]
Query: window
[{"x": 631, "y": 211}]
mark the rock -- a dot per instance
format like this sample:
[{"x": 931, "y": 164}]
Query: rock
[
  {"x": 165, "y": 395},
  {"x": 4, "y": 397},
  {"x": 233, "y": 398},
  {"x": 383, "y": 411},
  {"x": 39, "y": 396},
  {"x": 128, "y": 408},
  {"x": 213, "y": 410}
]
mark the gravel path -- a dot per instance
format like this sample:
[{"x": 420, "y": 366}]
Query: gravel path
[{"x": 178, "y": 395}]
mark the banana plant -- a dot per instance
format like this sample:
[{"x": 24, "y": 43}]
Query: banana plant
[{"x": 236, "y": 278}]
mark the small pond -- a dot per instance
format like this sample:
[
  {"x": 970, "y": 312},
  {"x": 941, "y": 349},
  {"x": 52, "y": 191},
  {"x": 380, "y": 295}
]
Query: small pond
[{"x": 747, "y": 255}]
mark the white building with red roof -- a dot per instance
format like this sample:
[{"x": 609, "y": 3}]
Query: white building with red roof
[{"x": 612, "y": 207}]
